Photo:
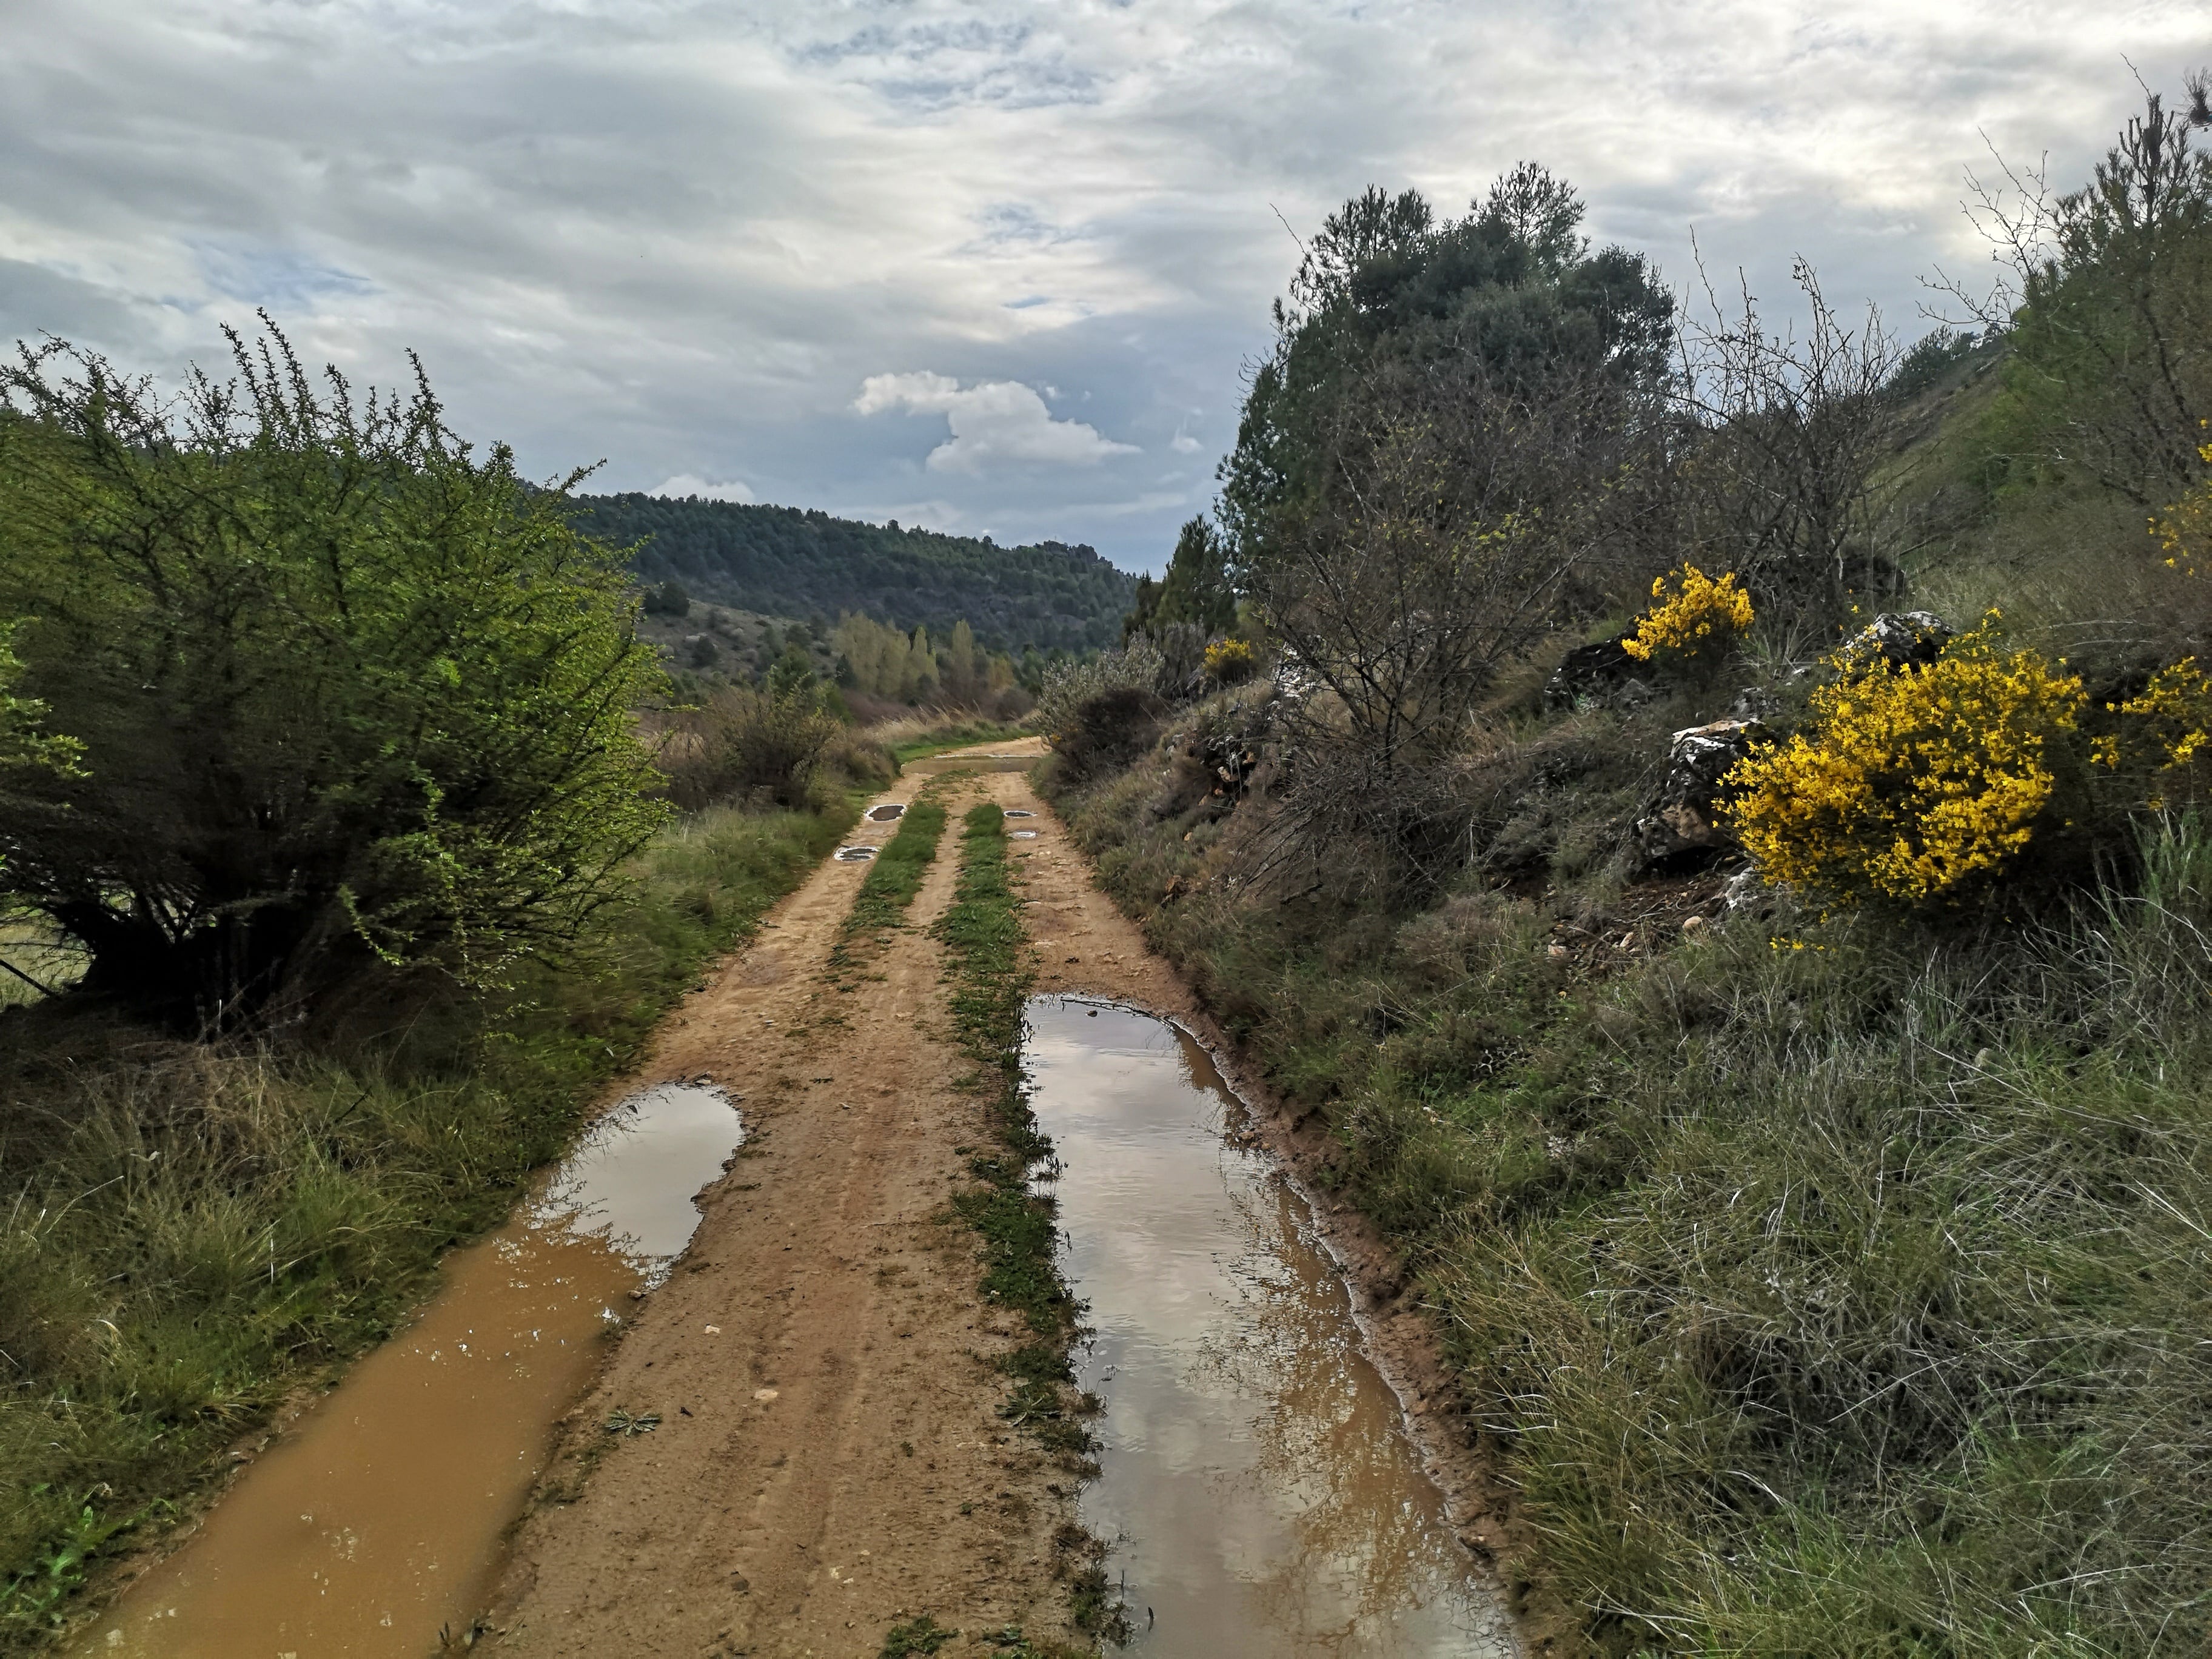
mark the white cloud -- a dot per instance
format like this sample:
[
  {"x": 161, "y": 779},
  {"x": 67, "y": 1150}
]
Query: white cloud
[
  {"x": 992, "y": 421},
  {"x": 687, "y": 484}
]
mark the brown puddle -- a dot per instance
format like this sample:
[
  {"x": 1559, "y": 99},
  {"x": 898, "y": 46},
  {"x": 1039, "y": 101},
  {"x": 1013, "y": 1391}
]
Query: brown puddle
[
  {"x": 855, "y": 854},
  {"x": 929, "y": 765},
  {"x": 886, "y": 813},
  {"x": 374, "y": 1521},
  {"x": 1257, "y": 1484}
]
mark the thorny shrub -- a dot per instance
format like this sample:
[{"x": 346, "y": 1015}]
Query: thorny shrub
[
  {"x": 1912, "y": 784},
  {"x": 1701, "y": 618}
]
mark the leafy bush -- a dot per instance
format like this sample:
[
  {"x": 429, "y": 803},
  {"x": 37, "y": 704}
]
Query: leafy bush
[
  {"x": 745, "y": 744},
  {"x": 1913, "y": 783},
  {"x": 667, "y": 600},
  {"x": 1698, "y": 620},
  {"x": 339, "y": 686},
  {"x": 1110, "y": 730},
  {"x": 1138, "y": 666}
]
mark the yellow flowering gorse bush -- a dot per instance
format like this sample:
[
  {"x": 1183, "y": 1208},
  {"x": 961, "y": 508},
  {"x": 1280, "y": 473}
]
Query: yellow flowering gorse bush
[
  {"x": 1699, "y": 614},
  {"x": 2184, "y": 529},
  {"x": 1228, "y": 660},
  {"x": 1912, "y": 782}
]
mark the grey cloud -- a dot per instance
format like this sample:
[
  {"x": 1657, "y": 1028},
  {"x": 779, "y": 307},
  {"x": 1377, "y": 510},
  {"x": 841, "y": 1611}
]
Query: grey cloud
[{"x": 682, "y": 233}]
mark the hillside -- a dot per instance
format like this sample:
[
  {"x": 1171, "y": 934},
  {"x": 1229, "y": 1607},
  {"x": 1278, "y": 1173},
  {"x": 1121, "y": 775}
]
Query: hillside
[{"x": 780, "y": 560}]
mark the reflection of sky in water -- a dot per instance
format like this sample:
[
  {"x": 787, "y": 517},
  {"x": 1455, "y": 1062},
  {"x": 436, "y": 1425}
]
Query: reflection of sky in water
[
  {"x": 1263, "y": 1497},
  {"x": 631, "y": 1180}
]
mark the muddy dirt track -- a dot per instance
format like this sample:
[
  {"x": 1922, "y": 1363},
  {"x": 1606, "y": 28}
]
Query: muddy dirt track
[{"x": 829, "y": 1460}]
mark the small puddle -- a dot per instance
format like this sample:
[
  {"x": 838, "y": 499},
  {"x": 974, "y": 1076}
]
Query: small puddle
[
  {"x": 1019, "y": 812},
  {"x": 1026, "y": 835},
  {"x": 931, "y": 765},
  {"x": 1257, "y": 1484},
  {"x": 886, "y": 813},
  {"x": 375, "y": 1520},
  {"x": 855, "y": 854}
]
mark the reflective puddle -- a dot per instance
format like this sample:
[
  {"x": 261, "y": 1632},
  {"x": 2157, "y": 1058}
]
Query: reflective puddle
[
  {"x": 929, "y": 765},
  {"x": 1257, "y": 1484},
  {"x": 886, "y": 813},
  {"x": 1026, "y": 835},
  {"x": 372, "y": 1524},
  {"x": 855, "y": 854},
  {"x": 1019, "y": 812}
]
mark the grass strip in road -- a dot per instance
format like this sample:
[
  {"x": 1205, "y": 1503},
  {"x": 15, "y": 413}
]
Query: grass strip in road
[
  {"x": 894, "y": 878},
  {"x": 991, "y": 977}
]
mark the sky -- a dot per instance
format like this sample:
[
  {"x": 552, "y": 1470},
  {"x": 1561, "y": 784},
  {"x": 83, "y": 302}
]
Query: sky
[{"x": 988, "y": 267}]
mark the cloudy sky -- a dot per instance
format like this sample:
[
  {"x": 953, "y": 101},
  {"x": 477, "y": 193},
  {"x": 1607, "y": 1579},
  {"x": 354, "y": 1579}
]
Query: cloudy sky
[{"x": 987, "y": 266}]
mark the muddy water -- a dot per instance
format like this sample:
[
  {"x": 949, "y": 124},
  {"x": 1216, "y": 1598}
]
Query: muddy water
[
  {"x": 1257, "y": 1484},
  {"x": 372, "y": 1524},
  {"x": 929, "y": 765},
  {"x": 886, "y": 813}
]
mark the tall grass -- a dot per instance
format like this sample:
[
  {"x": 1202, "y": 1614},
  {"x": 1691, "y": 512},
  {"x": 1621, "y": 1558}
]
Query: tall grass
[
  {"x": 188, "y": 1232},
  {"x": 1829, "y": 1290}
]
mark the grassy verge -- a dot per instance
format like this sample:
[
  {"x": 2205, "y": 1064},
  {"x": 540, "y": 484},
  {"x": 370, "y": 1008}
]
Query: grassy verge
[
  {"x": 952, "y": 734},
  {"x": 188, "y": 1233},
  {"x": 991, "y": 978},
  {"x": 1822, "y": 1287},
  {"x": 894, "y": 877}
]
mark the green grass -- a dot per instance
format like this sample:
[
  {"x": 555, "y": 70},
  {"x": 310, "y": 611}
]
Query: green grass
[
  {"x": 894, "y": 876},
  {"x": 954, "y": 734},
  {"x": 1847, "y": 1299},
  {"x": 189, "y": 1231},
  {"x": 991, "y": 976},
  {"x": 991, "y": 973}
]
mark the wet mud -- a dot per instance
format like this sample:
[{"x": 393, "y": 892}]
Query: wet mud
[
  {"x": 1258, "y": 1489},
  {"x": 369, "y": 1528}
]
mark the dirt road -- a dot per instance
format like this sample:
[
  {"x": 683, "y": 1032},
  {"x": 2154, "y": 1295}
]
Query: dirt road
[{"x": 829, "y": 1461}]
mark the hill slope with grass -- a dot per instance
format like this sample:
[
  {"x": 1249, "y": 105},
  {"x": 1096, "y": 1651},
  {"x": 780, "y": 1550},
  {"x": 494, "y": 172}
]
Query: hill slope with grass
[
  {"x": 1756, "y": 973},
  {"x": 786, "y": 563}
]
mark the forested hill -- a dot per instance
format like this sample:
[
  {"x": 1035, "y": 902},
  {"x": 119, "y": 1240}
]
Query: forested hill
[{"x": 786, "y": 563}]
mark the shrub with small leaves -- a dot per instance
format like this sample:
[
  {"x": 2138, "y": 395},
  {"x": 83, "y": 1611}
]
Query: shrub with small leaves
[
  {"x": 1913, "y": 784},
  {"x": 1692, "y": 618}
]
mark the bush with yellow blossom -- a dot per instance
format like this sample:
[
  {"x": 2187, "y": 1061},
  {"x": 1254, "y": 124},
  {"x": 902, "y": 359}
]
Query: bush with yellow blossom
[
  {"x": 1698, "y": 619},
  {"x": 2184, "y": 529},
  {"x": 1229, "y": 661},
  {"x": 1912, "y": 784}
]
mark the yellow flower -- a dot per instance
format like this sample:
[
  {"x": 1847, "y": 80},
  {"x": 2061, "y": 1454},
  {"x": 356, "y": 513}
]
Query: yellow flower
[
  {"x": 1910, "y": 783},
  {"x": 1699, "y": 609}
]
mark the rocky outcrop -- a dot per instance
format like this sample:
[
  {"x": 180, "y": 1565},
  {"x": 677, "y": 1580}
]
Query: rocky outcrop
[
  {"x": 1898, "y": 639},
  {"x": 1685, "y": 817},
  {"x": 1601, "y": 676}
]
